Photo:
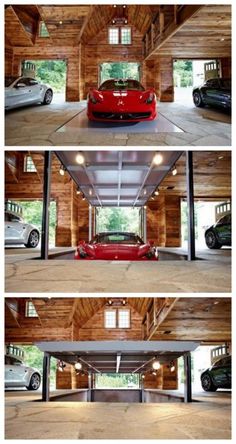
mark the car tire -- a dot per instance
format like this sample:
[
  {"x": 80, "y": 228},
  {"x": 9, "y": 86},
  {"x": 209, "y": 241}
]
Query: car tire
[
  {"x": 35, "y": 382},
  {"x": 207, "y": 384},
  {"x": 48, "y": 97},
  {"x": 33, "y": 239},
  {"x": 211, "y": 241},
  {"x": 197, "y": 99}
]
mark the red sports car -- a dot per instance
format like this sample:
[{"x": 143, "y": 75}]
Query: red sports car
[
  {"x": 117, "y": 246},
  {"x": 121, "y": 101}
]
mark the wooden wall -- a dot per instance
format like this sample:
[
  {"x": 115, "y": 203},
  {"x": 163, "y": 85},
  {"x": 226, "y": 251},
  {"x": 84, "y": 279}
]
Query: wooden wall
[
  {"x": 94, "y": 328},
  {"x": 163, "y": 380},
  {"x": 226, "y": 67},
  {"x": 158, "y": 74},
  {"x": 164, "y": 221},
  {"x": 72, "y": 211}
]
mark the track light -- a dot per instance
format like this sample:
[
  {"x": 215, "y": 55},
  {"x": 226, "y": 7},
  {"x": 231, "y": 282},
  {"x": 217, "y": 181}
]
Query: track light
[
  {"x": 145, "y": 207},
  {"x": 152, "y": 197},
  {"x": 174, "y": 170},
  {"x": 156, "y": 365},
  {"x": 157, "y": 159},
  {"x": 154, "y": 373},
  {"x": 79, "y": 158},
  {"x": 124, "y": 302},
  {"x": 156, "y": 192},
  {"x": 78, "y": 366},
  {"x": 62, "y": 170},
  {"x": 83, "y": 197},
  {"x": 78, "y": 191},
  {"x": 90, "y": 191},
  {"x": 144, "y": 191}
]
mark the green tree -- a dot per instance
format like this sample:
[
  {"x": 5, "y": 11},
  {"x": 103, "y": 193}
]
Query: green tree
[
  {"x": 33, "y": 357},
  {"x": 52, "y": 72},
  {"x": 123, "y": 219}
]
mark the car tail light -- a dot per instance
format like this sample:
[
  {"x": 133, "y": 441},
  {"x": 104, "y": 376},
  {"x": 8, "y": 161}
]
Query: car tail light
[{"x": 150, "y": 98}]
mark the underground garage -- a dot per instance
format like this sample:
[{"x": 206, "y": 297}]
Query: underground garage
[
  {"x": 149, "y": 364},
  {"x": 70, "y": 50},
  {"x": 118, "y": 221}
]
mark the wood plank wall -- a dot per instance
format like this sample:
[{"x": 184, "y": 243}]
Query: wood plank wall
[
  {"x": 164, "y": 379},
  {"x": 164, "y": 221}
]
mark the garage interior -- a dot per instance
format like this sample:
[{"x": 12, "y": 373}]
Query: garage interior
[
  {"x": 161, "y": 329},
  {"x": 158, "y": 35},
  {"x": 119, "y": 179}
]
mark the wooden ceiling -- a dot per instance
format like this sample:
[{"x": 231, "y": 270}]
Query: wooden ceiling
[
  {"x": 206, "y": 34},
  {"x": 212, "y": 176},
  {"x": 207, "y": 320}
]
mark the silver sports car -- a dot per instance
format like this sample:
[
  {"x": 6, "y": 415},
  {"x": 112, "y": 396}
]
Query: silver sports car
[
  {"x": 19, "y": 375},
  {"x": 21, "y": 91}
]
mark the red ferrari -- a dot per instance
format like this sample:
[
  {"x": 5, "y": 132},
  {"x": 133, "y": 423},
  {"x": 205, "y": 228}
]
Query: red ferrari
[
  {"x": 117, "y": 246},
  {"x": 121, "y": 101}
]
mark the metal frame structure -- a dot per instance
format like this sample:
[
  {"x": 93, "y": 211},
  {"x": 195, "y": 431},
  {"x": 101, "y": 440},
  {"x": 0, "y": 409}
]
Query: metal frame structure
[{"x": 117, "y": 356}]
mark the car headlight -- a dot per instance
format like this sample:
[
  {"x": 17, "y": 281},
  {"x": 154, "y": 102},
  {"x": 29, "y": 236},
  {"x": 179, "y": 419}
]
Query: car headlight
[
  {"x": 81, "y": 251},
  {"x": 151, "y": 98},
  {"x": 93, "y": 99},
  {"x": 152, "y": 252}
]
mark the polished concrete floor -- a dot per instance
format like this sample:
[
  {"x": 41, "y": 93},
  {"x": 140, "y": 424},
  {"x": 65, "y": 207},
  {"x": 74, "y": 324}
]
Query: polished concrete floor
[
  {"x": 61, "y": 276},
  {"x": 64, "y": 123},
  {"x": 208, "y": 419}
]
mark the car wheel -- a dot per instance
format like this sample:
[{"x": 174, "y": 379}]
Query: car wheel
[
  {"x": 33, "y": 239},
  {"x": 48, "y": 97},
  {"x": 35, "y": 382},
  {"x": 212, "y": 241},
  {"x": 207, "y": 384},
  {"x": 197, "y": 99}
]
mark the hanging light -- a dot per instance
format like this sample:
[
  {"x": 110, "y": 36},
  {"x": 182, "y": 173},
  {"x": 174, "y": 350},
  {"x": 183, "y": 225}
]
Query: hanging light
[
  {"x": 78, "y": 366},
  {"x": 156, "y": 192},
  {"x": 174, "y": 170},
  {"x": 79, "y": 158},
  {"x": 156, "y": 365},
  {"x": 62, "y": 170},
  {"x": 157, "y": 159}
]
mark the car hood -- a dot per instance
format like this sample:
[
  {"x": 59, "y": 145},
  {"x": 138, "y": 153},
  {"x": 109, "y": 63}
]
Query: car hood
[
  {"x": 122, "y": 97},
  {"x": 116, "y": 251}
]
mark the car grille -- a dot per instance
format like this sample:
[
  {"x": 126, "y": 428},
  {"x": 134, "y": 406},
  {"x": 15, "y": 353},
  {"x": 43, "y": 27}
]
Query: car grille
[{"x": 121, "y": 116}]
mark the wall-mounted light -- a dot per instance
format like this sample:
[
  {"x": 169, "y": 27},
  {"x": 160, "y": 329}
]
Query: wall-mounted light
[
  {"x": 174, "y": 170},
  {"x": 60, "y": 366},
  {"x": 78, "y": 191},
  {"x": 157, "y": 159},
  {"x": 156, "y": 365},
  {"x": 145, "y": 207},
  {"x": 60, "y": 22},
  {"x": 152, "y": 197},
  {"x": 156, "y": 192},
  {"x": 62, "y": 170},
  {"x": 172, "y": 366},
  {"x": 143, "y": 376},
  {"x": 144, "y": 191},
  {"x": 83, "y": 197},
  {"x": 124, "y": 302},
  {"x": 90, "y": 191},
  {"x": 79, "y": 158},
  {"x": 78, "y": 366},
  {"x": 154, "y": 373}
]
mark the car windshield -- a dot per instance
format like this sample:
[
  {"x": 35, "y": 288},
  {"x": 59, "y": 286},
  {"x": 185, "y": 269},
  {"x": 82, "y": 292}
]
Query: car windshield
[
  {"x": 9, "y": 80},
  {"x": 114, "y": 85},
  {"x": 117, "y": 238},
  {"x": 225, "y": 83}
]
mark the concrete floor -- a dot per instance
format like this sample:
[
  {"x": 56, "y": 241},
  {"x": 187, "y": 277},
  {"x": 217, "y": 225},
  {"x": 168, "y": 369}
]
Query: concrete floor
[
  {"x": 78, "y": 420},
  {"x": 61, "y": 276},
  {"x": 43, "y": 126}
]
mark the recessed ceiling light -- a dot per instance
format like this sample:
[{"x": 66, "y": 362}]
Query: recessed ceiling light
[
  {"x": 79, "y": 158},
  {"x": 157, "y": 159}
]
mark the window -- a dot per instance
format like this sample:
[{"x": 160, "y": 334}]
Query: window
[
  {"x": 110, "y": 319},
  {"x": 117, "y": 318},
  {"x": 124, "y": 318},
  {"x": 118, "y": 36},
  {"x": 30, "y": 311},
  {"x": 125, "y": 36},
  {"x": 43, "y": 30},
  {"x": 113, "y": 36},
  {"x": 29, "y": 166}
]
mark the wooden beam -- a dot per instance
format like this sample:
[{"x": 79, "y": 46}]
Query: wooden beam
[
  {"x": 86, "y": 21},
  {"x": 167, "y": 307}
]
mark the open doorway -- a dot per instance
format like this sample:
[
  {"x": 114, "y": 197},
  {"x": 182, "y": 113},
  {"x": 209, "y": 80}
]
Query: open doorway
[
  {"x": 206, "y": 214},
  {"x": 116, "y": 381},
  {"x": 52, "y": 72},
  {"x": 118, "y": 219},
  {"x": 32, "y": 211},
  {"x": 121, "y": 70},
  {"x": 191, "y": 73}
]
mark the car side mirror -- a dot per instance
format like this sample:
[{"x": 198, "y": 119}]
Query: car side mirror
[{"x": 20, "y": 85}]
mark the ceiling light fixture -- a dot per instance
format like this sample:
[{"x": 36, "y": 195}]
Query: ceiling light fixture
[
  {"x": 60, "y": 22},
  {"x": 152, "y": 197},
  {"x": 156, "y": 365},
  {"x": 78, "y": 191},
  {"x": 62, "y": 170},
  {"x": 78, "y": 366},
  {"x": 157, "y": 159},
  {"x": 174, "y": 170},
  {"x": 145, "y": 207},
  {"x": 90, "y": 191},
  {"x": 144, "y": 191},
  {"x": 83, "y": 197},
  {"x": 79, "y": 158}
]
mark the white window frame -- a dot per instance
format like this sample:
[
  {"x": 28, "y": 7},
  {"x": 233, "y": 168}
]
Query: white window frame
[
  {"x": 106, "y": 321},
  {"x": 120, "y": 313}
]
